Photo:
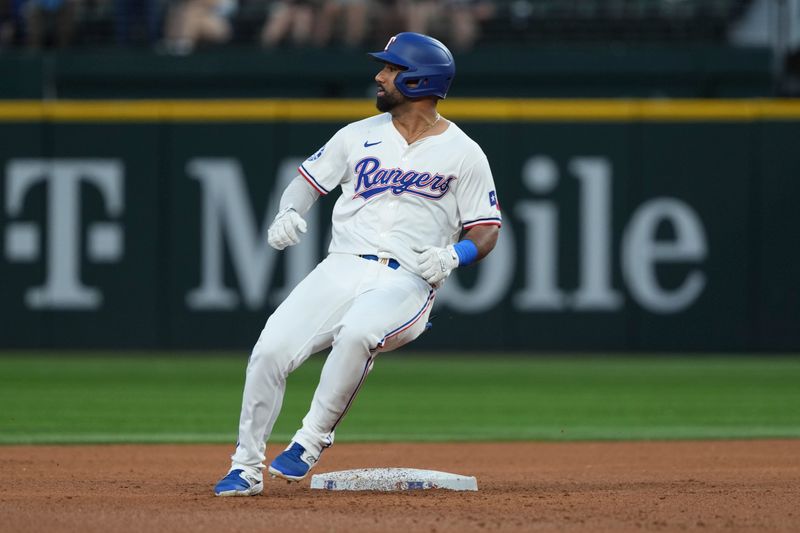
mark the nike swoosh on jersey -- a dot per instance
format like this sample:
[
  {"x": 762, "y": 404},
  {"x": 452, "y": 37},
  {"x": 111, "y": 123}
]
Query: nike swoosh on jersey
[{"x": 367, "y": 144}]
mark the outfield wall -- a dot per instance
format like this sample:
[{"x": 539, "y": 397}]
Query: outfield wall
[
  {"x": 490, "y": 70},
  {"x": 628, "y": 224}
]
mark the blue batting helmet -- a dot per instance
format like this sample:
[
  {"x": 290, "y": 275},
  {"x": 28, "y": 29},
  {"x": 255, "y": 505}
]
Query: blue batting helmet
[{"x": 426, "y": 61}]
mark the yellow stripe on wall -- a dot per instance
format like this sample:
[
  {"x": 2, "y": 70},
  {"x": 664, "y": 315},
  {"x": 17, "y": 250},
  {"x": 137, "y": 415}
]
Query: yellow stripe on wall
[{"x": 484, "y": 110}]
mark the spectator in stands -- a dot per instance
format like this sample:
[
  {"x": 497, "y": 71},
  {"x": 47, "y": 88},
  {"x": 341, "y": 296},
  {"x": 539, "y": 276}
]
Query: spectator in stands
[
  {"x": 191, "y": 22},
  {"x": 458, "y": 20},
  {"x": 137, "y": 21},
  {"x": 7, "y": 25},
  {"x": 468, "y": 15},
  {"x": 50, "y": 22},
  {"x": 419, "y": 15},
  {"x": 354, "y": 23},
  {"x": 289, "y": 18}
]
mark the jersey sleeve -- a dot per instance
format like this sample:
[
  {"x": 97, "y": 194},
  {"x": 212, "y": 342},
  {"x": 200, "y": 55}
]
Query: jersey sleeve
[
  {"x": 477, "y": 197},
  {"x": 326, "y": 168}
]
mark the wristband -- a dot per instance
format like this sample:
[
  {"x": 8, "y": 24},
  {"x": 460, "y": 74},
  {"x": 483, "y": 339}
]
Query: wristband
[{"x": 466, "y": 251}]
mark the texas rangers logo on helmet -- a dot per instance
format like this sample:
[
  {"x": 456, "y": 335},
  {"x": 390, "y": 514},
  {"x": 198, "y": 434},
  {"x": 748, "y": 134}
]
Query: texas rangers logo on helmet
[{"x": 373, "y": 180}]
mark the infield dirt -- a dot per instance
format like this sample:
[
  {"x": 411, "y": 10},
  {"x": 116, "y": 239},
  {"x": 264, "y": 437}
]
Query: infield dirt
[{"x": 608, "y": 486}]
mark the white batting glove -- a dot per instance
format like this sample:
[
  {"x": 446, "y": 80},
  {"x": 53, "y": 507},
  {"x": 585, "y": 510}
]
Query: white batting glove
[
  {"x": 283, "y": 231},
  {"x": 435, "y": 264}
]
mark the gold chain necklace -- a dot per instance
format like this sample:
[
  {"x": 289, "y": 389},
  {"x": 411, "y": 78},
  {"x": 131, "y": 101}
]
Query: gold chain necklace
[{"x": 429, "y": 126}]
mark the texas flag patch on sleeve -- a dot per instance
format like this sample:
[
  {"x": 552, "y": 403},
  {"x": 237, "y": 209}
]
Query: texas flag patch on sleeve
[{"x": 493, "y": 199}]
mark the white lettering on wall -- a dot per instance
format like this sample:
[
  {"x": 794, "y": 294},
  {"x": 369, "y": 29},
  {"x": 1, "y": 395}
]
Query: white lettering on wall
[
  {"x": 595, "y": 292},
  {"x": 63, "y": 178},
  {"x": 540, "y": 175},
  {"x": 228, "y": 223},
  {"x": 641, "y": 252},
  {"x": 540, "y": 272}
]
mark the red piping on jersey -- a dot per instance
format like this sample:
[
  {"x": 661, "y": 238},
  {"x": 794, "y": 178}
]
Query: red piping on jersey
[
  {"x": 414, "y": 320},
  {"x": 311, "y": 181},
  {"x": 352, "y": 396},
  {"x": 484, "y": 223}
]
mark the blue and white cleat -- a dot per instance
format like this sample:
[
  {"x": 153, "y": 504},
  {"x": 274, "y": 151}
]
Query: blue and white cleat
[
  {"x": 293, "y": 464},
  {"x": 239, "y": 483}
]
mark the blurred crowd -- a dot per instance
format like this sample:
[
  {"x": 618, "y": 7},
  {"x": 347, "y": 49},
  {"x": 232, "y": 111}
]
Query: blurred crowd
[{"x": 181, "y": 26}]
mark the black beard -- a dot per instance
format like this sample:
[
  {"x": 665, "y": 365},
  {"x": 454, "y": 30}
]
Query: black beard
[{"x": 386, "y": 103}]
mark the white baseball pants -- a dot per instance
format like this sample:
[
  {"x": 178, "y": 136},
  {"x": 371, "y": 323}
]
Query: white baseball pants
[{"x": 357, "y": 307}]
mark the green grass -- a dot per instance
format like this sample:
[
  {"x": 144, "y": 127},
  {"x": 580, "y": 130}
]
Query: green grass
[{"x": 66, "y": 398}]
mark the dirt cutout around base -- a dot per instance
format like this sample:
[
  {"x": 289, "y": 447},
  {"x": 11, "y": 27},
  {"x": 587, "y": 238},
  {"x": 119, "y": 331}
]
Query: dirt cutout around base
[{"x": 609, "y": 486}]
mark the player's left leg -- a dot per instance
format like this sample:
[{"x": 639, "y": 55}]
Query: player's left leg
[
  {"x": 392, "y": 311},
  {"x": 303, "y": 324}
]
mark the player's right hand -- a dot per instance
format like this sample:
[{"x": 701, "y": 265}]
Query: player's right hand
[{"x": 284, "y": 229}]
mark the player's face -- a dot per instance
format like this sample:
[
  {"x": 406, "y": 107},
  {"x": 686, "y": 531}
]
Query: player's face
[{"x": 387, "y": 96}]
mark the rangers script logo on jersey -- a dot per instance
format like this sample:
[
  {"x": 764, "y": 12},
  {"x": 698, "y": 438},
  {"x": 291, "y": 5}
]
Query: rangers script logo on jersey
[{"x": 373, "y": 180}]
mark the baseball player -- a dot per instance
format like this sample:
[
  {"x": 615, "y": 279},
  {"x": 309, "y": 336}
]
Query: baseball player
[{"x": 417, "y": 201}]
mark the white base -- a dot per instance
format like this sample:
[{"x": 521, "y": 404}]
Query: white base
[{"x": 392, "y": 479}]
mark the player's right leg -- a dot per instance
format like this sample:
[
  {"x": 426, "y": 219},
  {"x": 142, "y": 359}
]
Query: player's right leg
[
  {"x": 391, "y": 309},
  {"x": 301, "y": 325}
]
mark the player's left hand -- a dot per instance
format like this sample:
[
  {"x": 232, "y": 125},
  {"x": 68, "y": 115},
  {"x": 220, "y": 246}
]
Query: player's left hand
[{"x": 435, "y": 264}]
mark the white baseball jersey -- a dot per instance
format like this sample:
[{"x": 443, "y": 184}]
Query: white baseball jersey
[{"x": 397, "y": 198}]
